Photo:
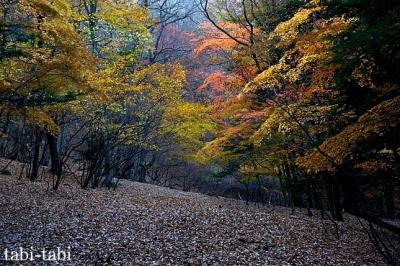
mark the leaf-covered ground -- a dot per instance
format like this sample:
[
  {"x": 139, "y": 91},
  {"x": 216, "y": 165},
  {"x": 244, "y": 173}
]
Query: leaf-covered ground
[{"x": 140, "y": 224}]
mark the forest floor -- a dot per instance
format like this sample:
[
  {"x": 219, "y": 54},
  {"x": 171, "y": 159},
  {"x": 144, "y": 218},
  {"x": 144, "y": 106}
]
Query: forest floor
[{"x": 141, "y": 224}]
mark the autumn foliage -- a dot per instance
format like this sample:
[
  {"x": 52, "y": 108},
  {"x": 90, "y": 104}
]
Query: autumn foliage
[
  {"x": 321, "y": 113},
  {"x": 300, "y": 97}
]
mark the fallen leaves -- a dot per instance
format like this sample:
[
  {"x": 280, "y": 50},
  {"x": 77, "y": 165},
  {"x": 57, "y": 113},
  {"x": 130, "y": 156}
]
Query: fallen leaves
[{"x": 140, "y": 224}]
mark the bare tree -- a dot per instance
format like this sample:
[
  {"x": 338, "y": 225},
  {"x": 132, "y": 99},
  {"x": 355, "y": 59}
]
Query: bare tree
[{"x": 172, "y": 19}]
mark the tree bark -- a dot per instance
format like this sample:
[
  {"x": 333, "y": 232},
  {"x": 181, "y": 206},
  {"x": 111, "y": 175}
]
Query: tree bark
[
  {"x": 36, "y": 154},
  {"x": 56, "y": 167}
]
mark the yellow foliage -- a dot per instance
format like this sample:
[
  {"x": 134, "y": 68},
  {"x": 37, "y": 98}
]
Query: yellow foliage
[
  {"x": 215, "y": 150},
  {"x": 54, "y": 64},
  {"x": 125, "y": 15},
  {"x": 189, "y": 122},
  {"x": 268, "y": 79},
  {"x": 286, "y": 32},
  {"x": 37, "y": 116},
  {"x": 374, "y": 124},
  {"x": 288, "y": 120},
  {"x": 58, "y": 72},
  {"x": 161, "y": 82},
  {"x": 309, "y": 54}
]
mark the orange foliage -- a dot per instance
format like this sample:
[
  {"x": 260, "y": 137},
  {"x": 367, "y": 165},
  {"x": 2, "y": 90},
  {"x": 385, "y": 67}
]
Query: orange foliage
[
  {"x": 213, "y": 40},
  {"x": 219, "y": 81}
]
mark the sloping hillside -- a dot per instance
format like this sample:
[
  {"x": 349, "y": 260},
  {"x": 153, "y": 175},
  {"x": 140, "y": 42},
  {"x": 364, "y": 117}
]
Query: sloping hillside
[{"x": 140, "y": 224}]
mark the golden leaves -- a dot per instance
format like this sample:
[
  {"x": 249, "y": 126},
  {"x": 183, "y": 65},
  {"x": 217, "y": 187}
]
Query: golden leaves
[
  {"x": 286, "y": 32},
  {"x": 375, "y": 124},
  {"x": 268, "y": 79},
  {"x": 190, "y": 123},
  {"x": 124, "y": 15},
  {"x": 41, "y": 118},
  {"x": 289, "y": 120},
  {"x": 310, "y": 52},
  {"x": 161, "y": 82}
]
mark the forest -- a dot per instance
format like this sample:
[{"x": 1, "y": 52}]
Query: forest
[{"x": 293, "y": 104}]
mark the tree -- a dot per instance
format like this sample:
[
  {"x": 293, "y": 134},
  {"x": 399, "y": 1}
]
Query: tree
[
  {"x": 43, "y": 62},
  {"x": 314, "y": 132}
]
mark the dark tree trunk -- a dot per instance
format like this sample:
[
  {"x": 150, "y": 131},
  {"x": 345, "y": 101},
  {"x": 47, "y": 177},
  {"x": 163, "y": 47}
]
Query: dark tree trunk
[
  {"x": 335, "y": 200},
  {"x": 309, "y": 199},
  {"x": 36, "y": 154},
  {"x": 389, "y": 199},
  {"x": 108, "y": 166},
  {"x": 56, "y": 167},
  {"x": 351, "y": 195}
]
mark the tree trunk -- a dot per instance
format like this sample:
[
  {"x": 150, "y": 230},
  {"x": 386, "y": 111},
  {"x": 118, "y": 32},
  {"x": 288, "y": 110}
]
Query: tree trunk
[
  {"x": 351, "y": 195},
  {"x": 338, "y": 204},
  {"x": 56, "y": 167},
  {"x": 335, "y": 200},
  {"x": 36, "y": 153},
  {"x": 389, "y": 199},
  {"x": 108, "y": 170}
]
